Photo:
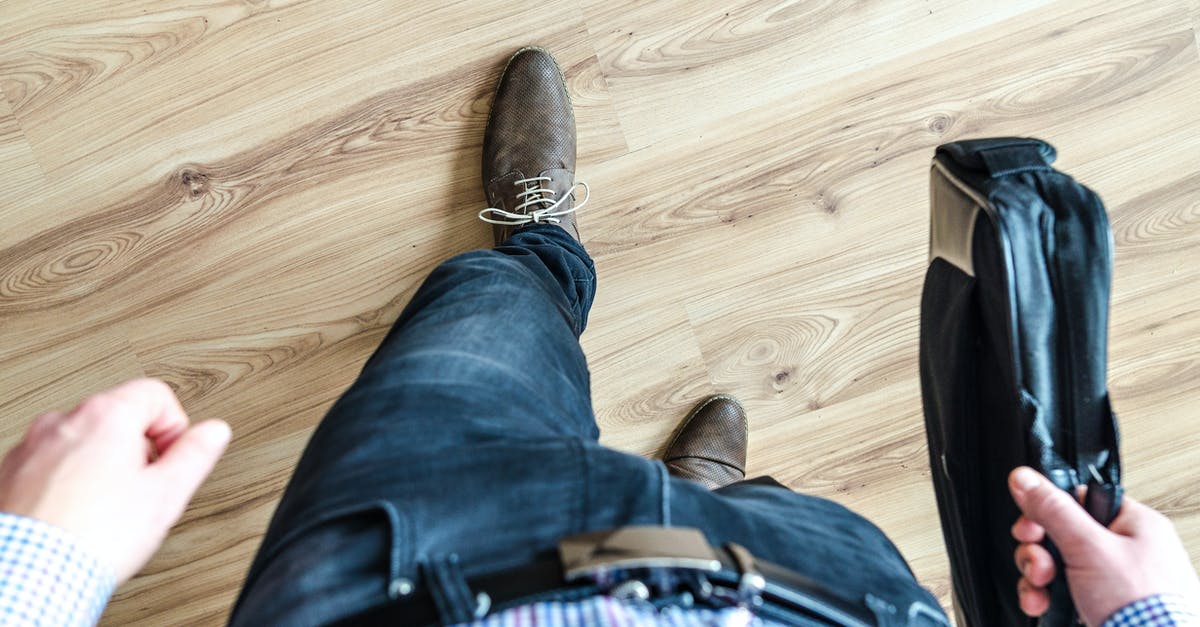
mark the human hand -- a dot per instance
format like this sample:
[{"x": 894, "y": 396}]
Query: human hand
[
  {"x": 1136, "y": 556},
  {"x": 116, "y": 472}
]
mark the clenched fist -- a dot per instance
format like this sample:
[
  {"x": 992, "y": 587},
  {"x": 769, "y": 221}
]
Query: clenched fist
[
  {"x": 116, "y": 472},
  {"x": 1137, "y": 556}
]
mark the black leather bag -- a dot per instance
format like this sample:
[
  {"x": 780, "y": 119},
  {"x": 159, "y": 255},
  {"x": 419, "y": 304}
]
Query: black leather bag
[{"x": 1014, "y": 322}]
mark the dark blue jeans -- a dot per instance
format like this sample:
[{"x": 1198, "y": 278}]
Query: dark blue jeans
[{"x": 468, "y": 446}]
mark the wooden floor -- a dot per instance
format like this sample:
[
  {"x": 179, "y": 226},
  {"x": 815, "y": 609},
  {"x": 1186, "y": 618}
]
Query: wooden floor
[{"x": 240, "y": 196}]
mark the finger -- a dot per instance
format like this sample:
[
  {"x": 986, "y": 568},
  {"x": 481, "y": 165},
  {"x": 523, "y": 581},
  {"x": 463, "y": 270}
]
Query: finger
[
  {"x": 44, "y": 424},
  {"x": 1035, "y": 563},
  {"x": 188, "y": 461},
  {"x": 1034, "y": 600},
  {"x": 149, "y": 405},
  {"x": 1025, "y": 530},
  {"x": 47, "y": 419},
  {"x": 1063, "y": 518}
]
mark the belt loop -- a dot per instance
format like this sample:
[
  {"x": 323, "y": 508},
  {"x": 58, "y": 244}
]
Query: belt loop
[
  {"x": 448, "y": 586},
  {"x": 451, "y": 593},
  {"x": 664, "y": 482}
]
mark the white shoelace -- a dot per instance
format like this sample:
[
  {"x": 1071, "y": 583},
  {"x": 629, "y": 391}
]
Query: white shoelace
[{"x": 536, "y": 193}]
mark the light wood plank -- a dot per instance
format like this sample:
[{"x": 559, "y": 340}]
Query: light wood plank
[
  {"x": 663, "y": 58},
  {"x": 23, "y": 177},
  {"x": 240, "y": 197},
  {"x": 308, "y": 63},
  {"x": 639, "y": 395},
  {"x": 57, "y": 379},
  {"x": 1195, "y": 7}
]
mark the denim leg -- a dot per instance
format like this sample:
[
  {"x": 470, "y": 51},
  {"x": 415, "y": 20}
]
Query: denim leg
[
  {"x": 486, "y": 352},
  {"x": 488, "y": 347}
]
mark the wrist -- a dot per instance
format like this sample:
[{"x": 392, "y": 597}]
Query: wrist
[
  {"x": 1156, "y": 610},
  {"x": 49, "y": 577}
]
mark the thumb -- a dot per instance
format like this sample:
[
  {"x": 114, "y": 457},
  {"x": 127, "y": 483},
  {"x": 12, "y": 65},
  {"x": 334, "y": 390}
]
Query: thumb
[
  {"x": 1065, "y": 521},
  {"x": 189, "y": 460}
]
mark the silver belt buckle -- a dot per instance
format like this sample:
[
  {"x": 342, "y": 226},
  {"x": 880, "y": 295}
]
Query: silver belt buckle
[{"x": 598, "y": 555}]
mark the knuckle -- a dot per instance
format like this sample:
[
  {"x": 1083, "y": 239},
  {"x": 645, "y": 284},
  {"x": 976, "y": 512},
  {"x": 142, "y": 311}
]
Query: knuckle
[
  {"x": 45, "y": 421},
  {"x": 98, "y": 405},
  {"x": 154, "y": 386},
  {"x": 1043, "y": 502},
  {"x": 1020, "y": 556},
  {"x": 91, "y": 420},
  {"x": 67, "y": 430},
  {"x": 107, "y": 404},
  {"x": 1055, "y": 509},
  {"x": 94, "y": 413}
]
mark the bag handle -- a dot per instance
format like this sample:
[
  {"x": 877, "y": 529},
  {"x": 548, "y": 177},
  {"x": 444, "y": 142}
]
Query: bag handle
[{"x": 1000, "y": 156}]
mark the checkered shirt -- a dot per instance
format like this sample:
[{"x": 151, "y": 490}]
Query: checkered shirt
[
  {"x": 601, "y": 611},
  {"x": 605, "y": 611},
  {"x": 46, "y": 578},
  {"x": 1160, "y": 610}
]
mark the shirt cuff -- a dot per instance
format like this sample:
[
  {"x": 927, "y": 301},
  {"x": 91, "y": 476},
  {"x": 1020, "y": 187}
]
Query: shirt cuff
[
  {"x": 46, "y": 578},
  {"x": 1160, "y": 610}
]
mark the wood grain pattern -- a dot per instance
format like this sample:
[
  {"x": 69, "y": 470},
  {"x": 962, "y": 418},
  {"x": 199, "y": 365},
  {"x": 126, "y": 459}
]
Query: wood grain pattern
[
  {"x": 1195, "y": 7},
  {"x": 662, "y": 57},
  {"x": 23, "y": 177},
  {"x": 239, "y": 197}
]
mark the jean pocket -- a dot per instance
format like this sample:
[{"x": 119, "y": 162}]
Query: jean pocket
[{"x": 334, "y": 564}]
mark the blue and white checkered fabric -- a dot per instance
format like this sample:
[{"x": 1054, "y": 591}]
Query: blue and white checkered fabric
[
  {"x": 1155, "y": 611},
  {"x": 1164, "y": 610},
  {"x": 603, "y": 611},
  {"x": 47, "y": 579}
]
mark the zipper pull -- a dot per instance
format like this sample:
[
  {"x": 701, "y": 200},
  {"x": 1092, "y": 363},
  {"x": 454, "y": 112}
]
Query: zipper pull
[{"x": 1103, "y": 499}]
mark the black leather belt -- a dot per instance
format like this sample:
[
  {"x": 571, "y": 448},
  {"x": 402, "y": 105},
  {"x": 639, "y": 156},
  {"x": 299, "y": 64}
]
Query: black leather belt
[{"x": 628, "y": 562}]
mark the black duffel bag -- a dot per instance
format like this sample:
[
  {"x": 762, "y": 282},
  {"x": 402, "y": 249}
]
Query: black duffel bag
[{"x": 1014, "y": 322}]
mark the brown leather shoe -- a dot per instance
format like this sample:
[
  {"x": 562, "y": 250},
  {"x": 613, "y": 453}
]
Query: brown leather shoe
[
  {"x": 529, "y": 148},
  {"x": 710, "y": 447}
]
